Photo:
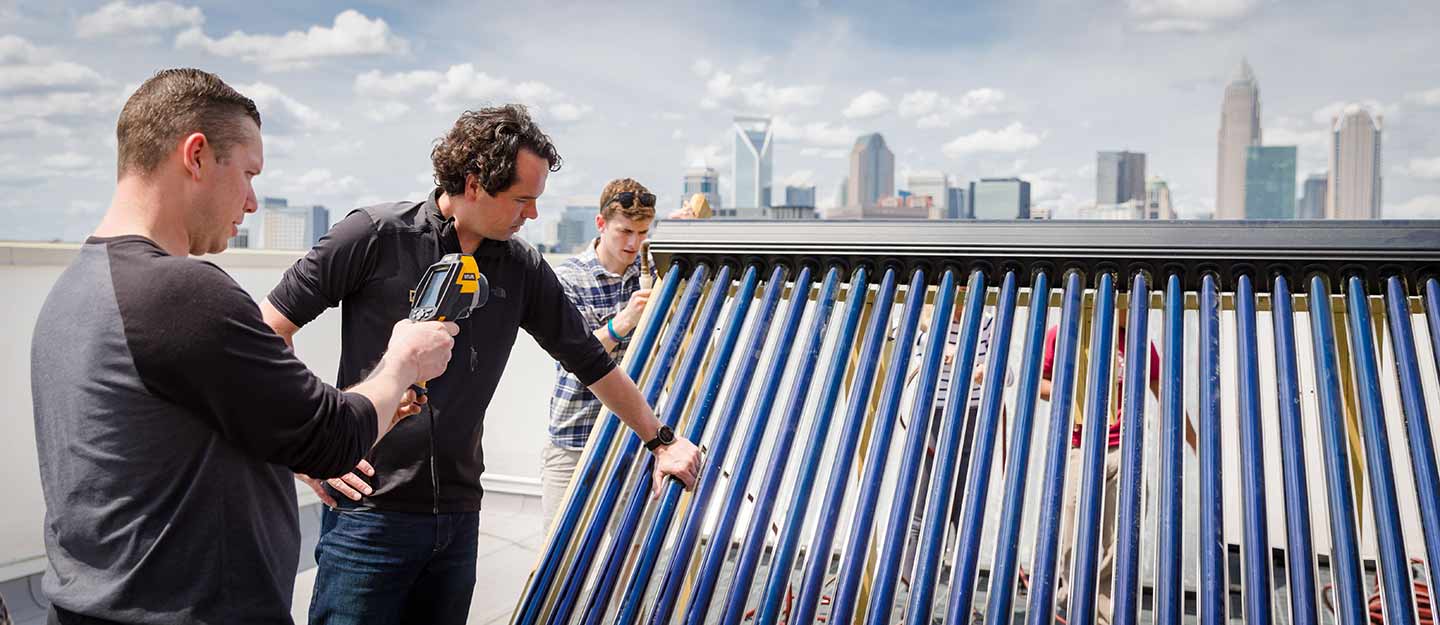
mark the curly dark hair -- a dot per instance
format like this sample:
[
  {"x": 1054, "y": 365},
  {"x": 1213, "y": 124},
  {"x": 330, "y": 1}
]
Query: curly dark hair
[{"x": 486, "y": 143}]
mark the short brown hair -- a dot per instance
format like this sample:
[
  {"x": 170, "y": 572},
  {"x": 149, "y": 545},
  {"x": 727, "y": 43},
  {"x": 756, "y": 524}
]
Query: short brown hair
[
  {"x": 174, "y": 103},
  {"x": 486, "y": 143},
  {"x": 636, "y": 212}
]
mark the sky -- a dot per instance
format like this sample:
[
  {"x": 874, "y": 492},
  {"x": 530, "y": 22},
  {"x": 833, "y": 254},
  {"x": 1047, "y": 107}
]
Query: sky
[{"x": 353, "y": 94}]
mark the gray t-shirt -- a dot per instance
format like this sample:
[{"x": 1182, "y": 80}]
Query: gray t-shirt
[{"x": 168, "y": 419}]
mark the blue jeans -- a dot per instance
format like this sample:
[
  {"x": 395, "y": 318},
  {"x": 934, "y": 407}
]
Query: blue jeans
[{"x": 394, "y": 567}]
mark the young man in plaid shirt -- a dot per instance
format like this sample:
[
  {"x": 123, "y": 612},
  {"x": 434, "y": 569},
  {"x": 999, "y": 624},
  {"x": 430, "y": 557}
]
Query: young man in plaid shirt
[{"x": 603, "y": 282}]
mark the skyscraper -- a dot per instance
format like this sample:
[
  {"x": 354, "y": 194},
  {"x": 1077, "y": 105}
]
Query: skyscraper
[
  {"x": 1000, "y": 198},
  {"x": 576, "y": 228},
  {"x": 800, "y": 196},
  {"x": 1354, "y": 191},
  {"x": 704, "y": 180},
  {"x": 1119, "y": 177},
  {"x": 752, "y": 152},
  {"x": 842, "y": 194},
  {"x": 955, "y": 207},
  {"x": 872, "y": 171},
  {"x": 1312, "y": 202},
  {"x": 1270, "y": 182},
  {"x": 288, "y": 227},
  {"x": 931, "y": 184},
  {"x": 1239, "y": 129},
  {"x": 1157, "y": 200}
]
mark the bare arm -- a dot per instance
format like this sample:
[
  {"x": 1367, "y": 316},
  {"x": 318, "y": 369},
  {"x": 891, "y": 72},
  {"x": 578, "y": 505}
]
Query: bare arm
[
  {"x": 278, "y": 322},
  {"x": 617, "y": 391}
]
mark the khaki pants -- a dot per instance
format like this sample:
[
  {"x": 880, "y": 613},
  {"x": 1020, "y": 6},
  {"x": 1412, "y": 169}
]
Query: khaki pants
[
  {"x": 1105, "y": 575},
  {"x": 557, "y": 468}
]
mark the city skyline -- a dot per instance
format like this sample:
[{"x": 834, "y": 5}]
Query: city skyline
[{"x": 353, "y": 95}]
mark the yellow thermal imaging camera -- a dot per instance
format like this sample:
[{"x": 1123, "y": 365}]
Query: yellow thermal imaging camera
[{"x": 449, "y": 291}]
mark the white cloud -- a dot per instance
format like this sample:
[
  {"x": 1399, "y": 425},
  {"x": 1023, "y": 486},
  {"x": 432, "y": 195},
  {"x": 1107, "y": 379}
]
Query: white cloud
[
  {"x": 800, "y": 178},
  {"x": 702, "y": 67},
  {"x": 25, "y": 68},
  {"x": 463, "y": 87},
  {"x": 814, "y": 133},
  {"x": 1423, "y": 168},
  {"x": 1012, "y": 138},
  {"x": 122, "y": 17},
  {"x": 866, "y": 105},
  {"x": 721, "y": 89},
  {"x": 567, "y": 112},
  {"x": 49, "y": 76},
  {"x": 318, "y": 182},
  {"x": 934, "y": 110},
  {"x": 720, "y": 86},
  {"x": 753, "y": 66},
  {"x": 834, "y": 153},
  {"x": 1421, "y": 207},
  {"x": 68, "y": 161},
  {"x": 1190, "y": 16},
  {"x": 917, "y": 103},
  {"x": 1427, "y": 98},
  {"x": 386, "y": 111},
  {"x": 1299, "y": 137},
  {"x": 283, "y": 114},
  {"x": 1327, "y": 114},
  {"x": 400, "y": 84},
  {"x": 769, "y": 98},
  {"x": 352, "y": 34},
  {"x": 677, "y": 134},
  {"x": 712, "y": 155}
]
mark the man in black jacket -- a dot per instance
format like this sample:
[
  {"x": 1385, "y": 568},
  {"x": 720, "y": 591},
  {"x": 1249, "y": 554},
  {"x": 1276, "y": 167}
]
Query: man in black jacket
[
  {"x": 168, "y": 415},
  {"x": 400, "y": 546}
]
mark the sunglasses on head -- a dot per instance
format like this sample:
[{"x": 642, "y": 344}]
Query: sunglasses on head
[{"x": 627, "y": 199}]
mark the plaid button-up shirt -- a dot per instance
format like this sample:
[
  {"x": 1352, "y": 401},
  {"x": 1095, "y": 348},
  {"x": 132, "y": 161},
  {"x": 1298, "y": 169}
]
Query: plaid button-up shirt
[{"x": 599, "y": 295}]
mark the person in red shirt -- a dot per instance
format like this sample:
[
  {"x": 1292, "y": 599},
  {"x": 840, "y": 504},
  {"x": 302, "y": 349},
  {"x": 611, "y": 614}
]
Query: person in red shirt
[{"x": 1112, "y": 465}]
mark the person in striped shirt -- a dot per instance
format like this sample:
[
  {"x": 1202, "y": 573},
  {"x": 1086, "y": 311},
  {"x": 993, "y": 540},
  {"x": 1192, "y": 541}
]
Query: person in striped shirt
[{"x": 603, "y": 283}]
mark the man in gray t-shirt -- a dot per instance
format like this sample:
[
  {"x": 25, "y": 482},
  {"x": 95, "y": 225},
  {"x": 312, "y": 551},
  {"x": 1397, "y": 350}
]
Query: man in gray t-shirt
[{"x": 168, "y": 416}]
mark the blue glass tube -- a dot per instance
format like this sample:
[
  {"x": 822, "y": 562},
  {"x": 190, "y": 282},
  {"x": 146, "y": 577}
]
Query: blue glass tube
[
  {"x": 1169, "y": 600},
  {"x": 1300, "y": 566},
  {"x": 1252, "y": 459},
  {"x": 1132, "y": 439},
  {"x": 1057, "y": 451},
  {"x": 699, "y": 417},
  {"x": 1212, "y": 519},
  {"x": 778, "y": 583},
  {"x": 852, "y": 562},
  {"x": 588, "y": 473},
  {"x": 1002, "y": 590},
  {"x": 609, "y": 571},
  {"x": 755, "y": 535},
  {"x": 1417, "y": 421},
  {"x": 817, "y": 559},
  {"x": 719, "y": 544},
  {"x": 1394, "y": 569},
  {"x": 942, "y": 484},
  {"x": 1094, "y": 441},
  {"x": 569, "y": 591},
  {"x": 694, "y": 517},
  {"x": 977, "y": 484},
  {"x": 1340, "y": 500},
  {"x": 882, "y": 593}
]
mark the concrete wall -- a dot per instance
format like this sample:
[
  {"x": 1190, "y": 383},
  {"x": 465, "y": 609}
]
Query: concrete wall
[{"x": 514, "y": 429}]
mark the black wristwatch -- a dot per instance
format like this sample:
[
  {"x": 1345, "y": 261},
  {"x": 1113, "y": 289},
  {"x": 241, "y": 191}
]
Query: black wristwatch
[{"x": 664, "y": 437}]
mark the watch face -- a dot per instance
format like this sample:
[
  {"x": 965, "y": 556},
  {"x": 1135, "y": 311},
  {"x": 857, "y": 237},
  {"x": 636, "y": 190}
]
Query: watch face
[{"x": 667, "y": 435}]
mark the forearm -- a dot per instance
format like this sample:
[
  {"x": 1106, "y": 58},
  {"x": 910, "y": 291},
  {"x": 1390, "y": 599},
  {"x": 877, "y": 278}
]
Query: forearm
[
  {"x": 384, "y": 388},
  {"x": 619, "y": 393},
  {"x": 603, "y": 335}
]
